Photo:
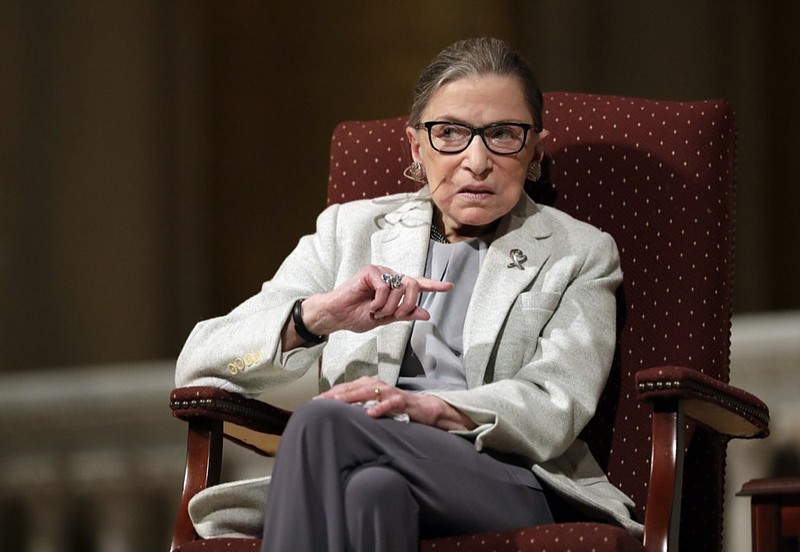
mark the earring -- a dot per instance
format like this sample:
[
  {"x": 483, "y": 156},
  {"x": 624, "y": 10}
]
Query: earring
[
  {"x": 416, "y": 172},
  {"x": 534, "y": 171}
]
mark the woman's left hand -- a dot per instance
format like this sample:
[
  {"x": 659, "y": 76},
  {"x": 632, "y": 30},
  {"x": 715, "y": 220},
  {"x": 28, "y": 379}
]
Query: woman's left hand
[{"x": 421, "y": 408}]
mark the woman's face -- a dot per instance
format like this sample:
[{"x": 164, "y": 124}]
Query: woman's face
[{"x": 474, "y": 188}]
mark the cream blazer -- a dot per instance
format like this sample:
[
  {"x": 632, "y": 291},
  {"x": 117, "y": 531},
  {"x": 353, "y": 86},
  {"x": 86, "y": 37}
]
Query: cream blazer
[{"x": 538, "y": 341}]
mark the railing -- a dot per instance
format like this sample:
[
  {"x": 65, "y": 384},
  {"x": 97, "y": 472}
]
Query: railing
[{"x": 92, "y": 461}]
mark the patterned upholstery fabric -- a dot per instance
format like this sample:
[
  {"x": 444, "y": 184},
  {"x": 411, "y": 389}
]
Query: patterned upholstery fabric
[
  {"x": 220, "y": 545},
  {"x": 563, "y": 537},
  {"x": 659, "y": 177},
  {"x": 579, "y": 536}
]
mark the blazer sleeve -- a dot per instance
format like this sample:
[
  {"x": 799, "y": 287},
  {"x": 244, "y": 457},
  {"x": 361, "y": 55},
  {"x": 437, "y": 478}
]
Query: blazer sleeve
[
  {"x": 241, "y": 351},
  {"x": 541, "y": 409}
]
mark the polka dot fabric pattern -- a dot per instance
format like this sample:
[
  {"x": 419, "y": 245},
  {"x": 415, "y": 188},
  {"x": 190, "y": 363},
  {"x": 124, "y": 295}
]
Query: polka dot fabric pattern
[
  {"x": 658, "y": 176},
  {"x": 564, "y": 537},
  {"x": 368, "y": 159},
  {"x": 221, "y": 545}
]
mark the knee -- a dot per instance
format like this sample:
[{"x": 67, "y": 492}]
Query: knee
[
  {"x": 373, "y": 488},
  {"x": 317, "y": 415},
  {"x": 380, "y": 510}
]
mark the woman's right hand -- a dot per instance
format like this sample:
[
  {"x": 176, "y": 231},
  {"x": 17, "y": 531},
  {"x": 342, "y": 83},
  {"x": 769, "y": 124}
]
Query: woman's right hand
[{"x": 365, "y": 301}]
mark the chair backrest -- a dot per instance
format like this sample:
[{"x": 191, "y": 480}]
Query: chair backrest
[{"x": 658, "y": 176}]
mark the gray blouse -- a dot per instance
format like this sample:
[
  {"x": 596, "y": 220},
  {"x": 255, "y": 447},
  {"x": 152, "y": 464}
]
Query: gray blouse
[{"x": 433, "y": 355}]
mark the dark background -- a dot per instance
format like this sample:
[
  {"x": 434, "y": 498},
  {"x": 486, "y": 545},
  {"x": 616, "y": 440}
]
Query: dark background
[{"x": 159, "y": 158}]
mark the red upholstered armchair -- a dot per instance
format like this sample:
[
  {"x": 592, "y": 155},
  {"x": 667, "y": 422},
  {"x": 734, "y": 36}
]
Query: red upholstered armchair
[{"x": 659, "y": 177}]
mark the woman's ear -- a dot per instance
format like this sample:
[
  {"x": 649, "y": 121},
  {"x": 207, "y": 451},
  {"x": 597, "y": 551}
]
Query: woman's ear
[
  {"x": 411, "y": 134},
  {"x": 538, "y": 149}
]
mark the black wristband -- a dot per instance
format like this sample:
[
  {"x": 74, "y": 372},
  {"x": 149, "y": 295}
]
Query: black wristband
[{"x": 300, "y": 326}]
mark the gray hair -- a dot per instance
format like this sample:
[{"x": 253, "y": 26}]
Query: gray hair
[{"x": 473, "y": 58}]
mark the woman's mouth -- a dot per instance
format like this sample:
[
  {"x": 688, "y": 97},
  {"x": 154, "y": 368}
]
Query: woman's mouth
[{"x": 474, "y": 192}]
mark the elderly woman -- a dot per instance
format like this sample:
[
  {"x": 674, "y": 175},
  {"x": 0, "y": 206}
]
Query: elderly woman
[{"x": 465, "y": 335}]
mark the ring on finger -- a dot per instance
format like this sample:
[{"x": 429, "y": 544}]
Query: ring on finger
[
  {"x": 377, "y": 392},
  {"x": 392, "y": 280}
]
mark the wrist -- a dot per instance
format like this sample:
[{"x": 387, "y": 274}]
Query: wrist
[
  {"x": 450, "y": 418},
  {"x": 300, "y": 326}
]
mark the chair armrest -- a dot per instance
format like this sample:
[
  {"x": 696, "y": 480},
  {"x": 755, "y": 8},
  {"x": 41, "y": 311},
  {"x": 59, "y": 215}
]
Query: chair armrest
[
  {"x": 676, "y": 391},
  {"x": 723, "y": 407},
  {"x": 211, "y": 414},
  {"x": 211, "y": 403}
]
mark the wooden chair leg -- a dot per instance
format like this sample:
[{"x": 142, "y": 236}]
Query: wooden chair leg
[
  {"x": 203, "y": 465},
  {"x": 663, "y": 511}
]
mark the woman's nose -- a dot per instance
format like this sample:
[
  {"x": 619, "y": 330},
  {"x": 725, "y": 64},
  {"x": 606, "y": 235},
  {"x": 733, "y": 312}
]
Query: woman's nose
[{"x": 477, "y": 156}]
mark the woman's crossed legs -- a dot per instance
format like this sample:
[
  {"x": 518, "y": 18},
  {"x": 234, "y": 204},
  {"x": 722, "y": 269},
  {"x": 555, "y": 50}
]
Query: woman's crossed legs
[{"x": 344, "y": 481}]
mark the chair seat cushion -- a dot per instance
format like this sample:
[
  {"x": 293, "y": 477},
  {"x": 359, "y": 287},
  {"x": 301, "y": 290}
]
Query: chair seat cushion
[
  {"x": 218, "y": 545},
  {"x": 564, "y": 536}
]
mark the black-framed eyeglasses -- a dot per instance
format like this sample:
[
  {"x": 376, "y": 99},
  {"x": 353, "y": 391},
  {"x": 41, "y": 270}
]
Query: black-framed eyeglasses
[{"x": 499, "y": 138}]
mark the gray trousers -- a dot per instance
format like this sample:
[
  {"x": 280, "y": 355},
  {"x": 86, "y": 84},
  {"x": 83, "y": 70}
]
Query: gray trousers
[{"x": 345, "y": 482}]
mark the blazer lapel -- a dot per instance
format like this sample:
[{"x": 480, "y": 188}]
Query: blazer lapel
[
  {"x": 402, "y": 246},
  {"x": 500, "y": 282}
]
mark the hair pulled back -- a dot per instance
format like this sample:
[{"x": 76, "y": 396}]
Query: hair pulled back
[{"x": 474, "y": 58}]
